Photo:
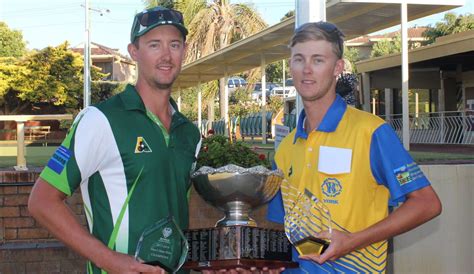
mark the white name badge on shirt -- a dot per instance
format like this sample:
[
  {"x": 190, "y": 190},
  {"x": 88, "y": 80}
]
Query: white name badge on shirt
[{"x": 334, "y": 160}]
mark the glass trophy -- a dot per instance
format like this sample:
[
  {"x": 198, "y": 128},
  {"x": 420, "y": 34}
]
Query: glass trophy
[
  {"x": 307, "y": 217},
  {"x": 163, "y": 244}
]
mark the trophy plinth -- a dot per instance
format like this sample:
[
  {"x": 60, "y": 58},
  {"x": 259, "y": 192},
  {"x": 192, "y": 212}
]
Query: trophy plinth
[{"x": 236, "y": 241}]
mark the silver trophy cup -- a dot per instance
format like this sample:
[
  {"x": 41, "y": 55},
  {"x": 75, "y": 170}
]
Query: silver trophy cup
[{"x": 236, "y": 190}]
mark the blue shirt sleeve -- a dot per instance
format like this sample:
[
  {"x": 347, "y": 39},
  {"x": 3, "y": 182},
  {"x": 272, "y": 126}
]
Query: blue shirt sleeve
[
  {"x": 393, "y": 166},
  {"x": 275, "y": 209}
]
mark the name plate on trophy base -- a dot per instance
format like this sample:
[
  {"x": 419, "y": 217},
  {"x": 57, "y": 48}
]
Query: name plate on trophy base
[{"x": 237, "y": 246}]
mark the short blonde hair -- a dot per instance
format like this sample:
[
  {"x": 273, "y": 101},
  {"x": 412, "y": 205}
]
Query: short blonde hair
[{"x": 316, "y": 31}]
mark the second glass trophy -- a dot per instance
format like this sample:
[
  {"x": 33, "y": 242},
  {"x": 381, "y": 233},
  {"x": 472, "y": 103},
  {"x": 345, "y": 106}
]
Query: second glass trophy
[
  {"x": 307, "y": 217},
  {"x": 163, "y": 244}
]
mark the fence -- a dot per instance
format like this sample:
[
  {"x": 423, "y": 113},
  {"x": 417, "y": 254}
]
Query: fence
[{"x": 449, "y": 127}]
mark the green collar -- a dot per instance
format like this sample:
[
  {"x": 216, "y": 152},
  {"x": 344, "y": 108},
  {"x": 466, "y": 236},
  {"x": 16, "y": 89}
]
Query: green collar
[{"x": 132, "y": 101}]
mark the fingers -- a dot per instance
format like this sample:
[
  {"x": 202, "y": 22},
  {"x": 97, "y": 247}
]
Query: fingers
[{"x": 323, "y": 235}]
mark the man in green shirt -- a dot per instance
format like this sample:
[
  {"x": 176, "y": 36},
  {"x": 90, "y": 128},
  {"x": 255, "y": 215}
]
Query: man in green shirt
[{"x": 131, "y": 156}]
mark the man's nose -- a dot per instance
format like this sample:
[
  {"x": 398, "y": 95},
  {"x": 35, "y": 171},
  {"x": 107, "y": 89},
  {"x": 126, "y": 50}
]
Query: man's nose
[
  {"x": 166, "y": 54},
  {"x": 307, "y": 69}
]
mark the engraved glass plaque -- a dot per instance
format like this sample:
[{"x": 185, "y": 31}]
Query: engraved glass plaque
[
  {"x": 307, "y": 217},
  {"x": 163, "y": 244}
]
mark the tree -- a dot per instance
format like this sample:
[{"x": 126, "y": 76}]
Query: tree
[
  {"x": 352, "y": 55},
  {"x": 52, "y": 76},
  {"x": 11, "y": 42},
  {"x": 213, "y": 25},
  {"x": 450, "y": 25},
  {"x": 387, "y": 46}
]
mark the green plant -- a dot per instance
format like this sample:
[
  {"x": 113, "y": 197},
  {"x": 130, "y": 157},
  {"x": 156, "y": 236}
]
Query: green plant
[{"x": 217, "y": 151}]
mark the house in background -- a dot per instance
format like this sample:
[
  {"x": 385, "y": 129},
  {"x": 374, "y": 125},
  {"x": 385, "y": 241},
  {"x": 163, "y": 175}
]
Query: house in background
[
  {"x": 119, "y": 68},
  {"x": 365, "y": 43}
]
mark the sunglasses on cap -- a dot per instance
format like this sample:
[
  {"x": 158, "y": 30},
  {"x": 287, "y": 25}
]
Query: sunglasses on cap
[
  {"x": 151, "y": 18},
  {"x": 329, "y": 28},
  {"x": 159, "y": 14}
]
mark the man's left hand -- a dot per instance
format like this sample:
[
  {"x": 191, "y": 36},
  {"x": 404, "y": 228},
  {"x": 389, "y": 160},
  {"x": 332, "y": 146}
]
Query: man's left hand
[{"x": 341, "y": 243}]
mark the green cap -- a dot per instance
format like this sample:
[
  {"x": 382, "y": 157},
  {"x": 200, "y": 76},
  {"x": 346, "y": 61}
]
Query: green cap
[{"x": 154, "y": 17}]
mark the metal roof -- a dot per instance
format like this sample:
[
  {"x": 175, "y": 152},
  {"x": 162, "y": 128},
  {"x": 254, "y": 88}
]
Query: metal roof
[
  {"x": 353, "y": 17},
  {"x": 447, "y": 52}
]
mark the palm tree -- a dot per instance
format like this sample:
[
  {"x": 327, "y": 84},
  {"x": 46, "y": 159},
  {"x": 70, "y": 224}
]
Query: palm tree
[{"x": 213, "y": 25}]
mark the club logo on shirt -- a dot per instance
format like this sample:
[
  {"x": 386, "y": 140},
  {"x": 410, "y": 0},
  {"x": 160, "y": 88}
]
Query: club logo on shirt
[
  {"x": 331, "y": 187},
  {"x": 142, "y": 146},
  {"x": 290, "y": 171}
]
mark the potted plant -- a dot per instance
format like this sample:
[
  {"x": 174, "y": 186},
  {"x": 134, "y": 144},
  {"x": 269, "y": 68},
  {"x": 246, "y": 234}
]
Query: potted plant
[
  {"x": 234, "y": 178},
  {"x": 217, "y": 151}
]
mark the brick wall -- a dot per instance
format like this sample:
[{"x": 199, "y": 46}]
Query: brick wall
[{"x": 26, "y": 247}]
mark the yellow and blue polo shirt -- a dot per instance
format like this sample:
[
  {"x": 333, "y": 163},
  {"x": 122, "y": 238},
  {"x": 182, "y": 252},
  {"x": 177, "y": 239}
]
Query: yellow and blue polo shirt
[{"x": 355, "y": 164}]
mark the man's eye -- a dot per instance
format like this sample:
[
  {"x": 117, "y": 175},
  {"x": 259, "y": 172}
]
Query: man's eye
[{"x": 176, "y": 45}]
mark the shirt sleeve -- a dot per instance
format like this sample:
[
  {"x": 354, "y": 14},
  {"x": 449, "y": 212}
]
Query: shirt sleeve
[
  {"x": 275, "y": 209},
  {"x": 393, "y": 166},
  {"x": 68, "y": 167}
]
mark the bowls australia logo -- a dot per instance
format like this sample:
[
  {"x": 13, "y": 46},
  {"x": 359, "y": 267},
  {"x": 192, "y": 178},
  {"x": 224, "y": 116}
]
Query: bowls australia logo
[
  {"x": 167, "y": 232},
  {"x": 331, "y": 187}
]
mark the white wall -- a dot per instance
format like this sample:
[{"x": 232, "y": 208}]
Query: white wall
[{"x": 444, "y": 245}]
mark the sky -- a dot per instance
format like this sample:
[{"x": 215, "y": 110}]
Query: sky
[{"x": 51, "y": 22}]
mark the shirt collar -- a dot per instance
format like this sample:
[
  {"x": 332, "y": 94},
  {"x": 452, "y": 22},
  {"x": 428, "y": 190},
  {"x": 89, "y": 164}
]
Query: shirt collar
[
  {"x": 132, "y": 100},
  {"x": 330, "y": 121}
]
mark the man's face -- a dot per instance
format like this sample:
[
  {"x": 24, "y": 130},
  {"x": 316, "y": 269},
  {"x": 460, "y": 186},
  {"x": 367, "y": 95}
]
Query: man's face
[
  {"x": 314, "y": 68},
  {"x": 159, "y": 56}
]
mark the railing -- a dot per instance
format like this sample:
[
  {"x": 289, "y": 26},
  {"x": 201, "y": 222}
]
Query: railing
[
  {"x": 20, "y": 132},
  {"x": 450, "y": 127}
]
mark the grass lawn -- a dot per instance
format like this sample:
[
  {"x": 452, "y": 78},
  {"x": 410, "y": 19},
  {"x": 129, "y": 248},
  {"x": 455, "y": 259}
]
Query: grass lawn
[{"x": 39, "y": 156}]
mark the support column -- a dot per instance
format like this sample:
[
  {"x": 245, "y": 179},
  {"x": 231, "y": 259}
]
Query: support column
[
  {"x": 179, "y": 100},
  {"x": 405, "y": 78},
  {"x": 441, "y": 107},
  {"x": 308, "y": 11},
  {"x": 366, "y": 88},
  {"x": 388, "y": 104},
  {"x": 200, "y": 106},
  {"x": 264, "y": 99},
  {"x": 20, "y": 146},
  {"x": 226, "y": 103}
]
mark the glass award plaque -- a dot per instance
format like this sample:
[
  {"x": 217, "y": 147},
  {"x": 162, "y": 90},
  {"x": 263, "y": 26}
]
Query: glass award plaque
[
  {"x": 307, "y": 217},
  {"x": 163, "y": 244}
]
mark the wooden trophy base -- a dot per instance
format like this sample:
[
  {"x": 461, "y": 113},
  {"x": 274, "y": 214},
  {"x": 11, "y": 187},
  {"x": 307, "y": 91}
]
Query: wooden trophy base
[{"x": 239, "y": 263}]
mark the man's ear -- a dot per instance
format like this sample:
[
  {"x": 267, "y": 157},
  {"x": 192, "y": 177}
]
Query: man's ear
[
  {"x": 132, "y": 50},
  {"x": 339, "y": 68}
]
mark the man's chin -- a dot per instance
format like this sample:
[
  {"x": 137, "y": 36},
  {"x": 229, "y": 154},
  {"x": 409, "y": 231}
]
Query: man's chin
[{"x": 164, "y": 86}]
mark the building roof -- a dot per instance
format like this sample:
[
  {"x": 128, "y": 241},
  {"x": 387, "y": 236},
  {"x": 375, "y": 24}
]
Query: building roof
[
  {"x": 414, "y": 34},
  {"x": 101, "y": 51},
  {"x": 446, "y": 53},
  {"x": 354, "y": 17}
]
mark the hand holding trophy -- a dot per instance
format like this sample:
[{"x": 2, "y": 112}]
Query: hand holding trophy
[
  {"x": 306, "y": 218},
  {"x": 163, "y": 244}
]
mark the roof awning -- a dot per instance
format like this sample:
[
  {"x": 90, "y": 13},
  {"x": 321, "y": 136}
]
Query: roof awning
[
  {"x": 353, "y": 17},
  {"x": 446, "y": 51}
]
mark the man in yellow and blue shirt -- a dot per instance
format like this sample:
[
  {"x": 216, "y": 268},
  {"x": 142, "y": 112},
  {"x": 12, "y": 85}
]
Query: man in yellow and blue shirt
[{"x": 348, "y": 160}]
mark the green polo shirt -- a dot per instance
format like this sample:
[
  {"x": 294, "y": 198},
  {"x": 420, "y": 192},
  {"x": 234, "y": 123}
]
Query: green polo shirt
[{"x": 131, "y": 171}]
